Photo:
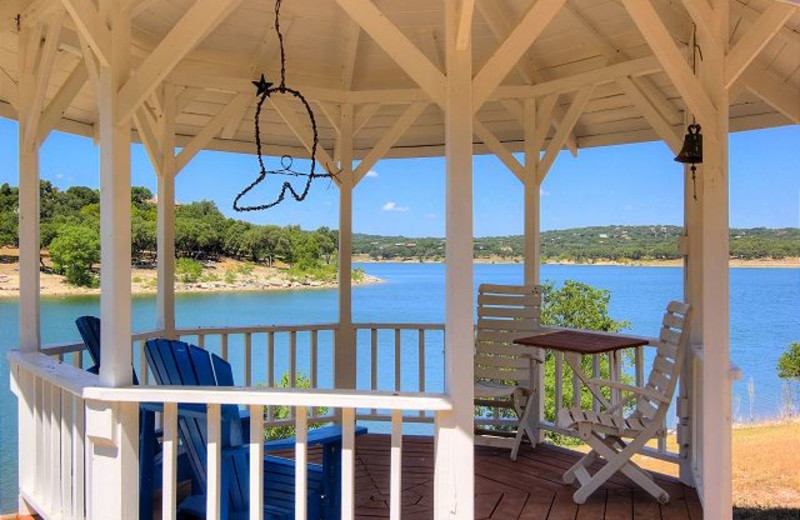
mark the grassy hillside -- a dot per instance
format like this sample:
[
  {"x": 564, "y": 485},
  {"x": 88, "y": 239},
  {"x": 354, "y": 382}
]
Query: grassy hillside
[{"x": 588, "y": 244}]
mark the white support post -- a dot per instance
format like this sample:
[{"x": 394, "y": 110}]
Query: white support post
[
  {"x": 345, "y": 359},
  {"x": 716, "y": 419},
  {"x": 532, "y": 226},
  {"x": 29, "y": 335},
  {"x": 455, "y": 463},
  {"x": 114, "y": 429},
  {"x": 165, "y": 300}
]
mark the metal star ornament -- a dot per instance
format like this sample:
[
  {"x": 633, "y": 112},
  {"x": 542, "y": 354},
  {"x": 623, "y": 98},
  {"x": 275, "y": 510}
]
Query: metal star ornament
[{"x": 263, "y": 86}]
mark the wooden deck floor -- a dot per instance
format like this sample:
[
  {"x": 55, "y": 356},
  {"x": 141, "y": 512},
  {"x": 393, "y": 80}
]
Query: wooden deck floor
[{"x": 529, "y": 488}]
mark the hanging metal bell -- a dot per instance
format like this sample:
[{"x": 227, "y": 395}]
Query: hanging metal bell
[{"x": 692, "y": 151}]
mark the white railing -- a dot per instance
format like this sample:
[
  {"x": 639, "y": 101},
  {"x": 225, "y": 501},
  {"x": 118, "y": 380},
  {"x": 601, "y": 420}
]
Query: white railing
[
  {"x": 53, "y": 396},
  {"x": 389, "y": 357}
]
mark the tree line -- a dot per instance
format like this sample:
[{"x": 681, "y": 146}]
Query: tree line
[
  {"x": 587, "y": 244},
  {"x": 70, "y": 231}
]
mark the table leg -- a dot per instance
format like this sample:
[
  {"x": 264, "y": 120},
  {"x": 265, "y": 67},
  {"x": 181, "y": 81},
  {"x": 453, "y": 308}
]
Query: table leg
[{"x": 574, "y": 361}]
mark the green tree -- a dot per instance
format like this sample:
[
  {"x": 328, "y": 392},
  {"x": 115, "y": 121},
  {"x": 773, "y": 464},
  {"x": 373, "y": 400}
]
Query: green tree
[
  {"x": 283, "y": 412},
  {"x": 74, "y": 251},
  {"x": 789, "y": 363}
]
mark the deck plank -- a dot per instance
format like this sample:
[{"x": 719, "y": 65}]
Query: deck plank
[{"x": 529, "y": 489}]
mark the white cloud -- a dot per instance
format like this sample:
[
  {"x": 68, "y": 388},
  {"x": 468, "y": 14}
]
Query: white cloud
[
  {"x": 543, "y": 193},
  {"x": 392, "y": 206},
  {"x": 430, "y": 216},
  {"x": 372, "y": 173}
]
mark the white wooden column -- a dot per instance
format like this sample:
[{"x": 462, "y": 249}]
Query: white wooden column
[
  {"x": 532, "y": 195},
  {"x": 717, "y": 472},
  {"x": 345, "y": 362},
  {"x": 165, "y": 300},
  {"x": 29, "y": 333},
  {"x": 455, "y": 477},
  {"x": 113, "y": 429}
]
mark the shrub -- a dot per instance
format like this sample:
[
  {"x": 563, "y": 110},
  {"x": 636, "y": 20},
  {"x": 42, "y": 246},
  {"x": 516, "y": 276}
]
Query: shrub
[
  {"x": 282, "y": 412},
  {"x": 74, "y": 251},
  {"x": 245, "y": 268},
  {"x": 188, "y": 270},
  {"x": 789, "y": 363},
  {"x": 230, "y": 276},
  {"x": 359, "y": 274}
]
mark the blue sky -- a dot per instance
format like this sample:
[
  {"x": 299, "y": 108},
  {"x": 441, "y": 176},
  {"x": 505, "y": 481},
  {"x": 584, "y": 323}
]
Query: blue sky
[{"x": 630, "y": 184}]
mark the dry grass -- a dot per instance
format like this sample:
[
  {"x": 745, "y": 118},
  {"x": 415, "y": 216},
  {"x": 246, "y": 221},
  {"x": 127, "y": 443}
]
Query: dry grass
[{"x": 766, "y": 470}]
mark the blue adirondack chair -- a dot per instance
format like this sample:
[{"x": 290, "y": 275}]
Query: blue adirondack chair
[
  {"x": 149, "y": 448},
  {"x": 178, "y": 363}
]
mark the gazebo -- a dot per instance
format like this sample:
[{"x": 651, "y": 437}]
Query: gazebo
[{"x": 454, "y": 78}]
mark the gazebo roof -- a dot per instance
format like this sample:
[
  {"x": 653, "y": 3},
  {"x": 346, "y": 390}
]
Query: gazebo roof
[{"x": 333, "y": 61}]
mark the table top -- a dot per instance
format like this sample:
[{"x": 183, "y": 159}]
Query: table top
[{"x": 581, "y": 342}]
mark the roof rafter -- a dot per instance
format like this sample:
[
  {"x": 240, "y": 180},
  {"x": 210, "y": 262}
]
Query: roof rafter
[
  {"x": 506, "y": 56},
  {"x": 566, "y": 126},
  {"x": 44, "y": 70},
  {"x": 190, "y": 30},
  {"x": 500, "y": 23},
  {"x": 663, "y": 46},
  {"x": 62, "y": 100},
  {"x": 91, "y": 27},
  {"x": 651, "y": 114},
  {"x": 774, "y": 92},
  {"x": 401, "y": 125},
  {"x": 498, "y": 149},
  {"x": 397, "y": 46},
  {"x": 753, "y": 42}
]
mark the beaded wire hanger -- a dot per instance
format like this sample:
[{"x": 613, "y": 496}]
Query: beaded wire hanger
[{"x": 265, "y": 89}]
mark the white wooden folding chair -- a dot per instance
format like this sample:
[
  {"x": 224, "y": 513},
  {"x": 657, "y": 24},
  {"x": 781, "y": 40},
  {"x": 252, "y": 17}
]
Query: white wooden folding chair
[
  {"x": 506, "y": 375},
  {"x": 604, "y": 431}
]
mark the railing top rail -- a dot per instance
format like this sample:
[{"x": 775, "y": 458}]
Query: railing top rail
[
  {"x": 87, "y": 386},
  {"x": 254, "y": 329},
  {"x": 403, "y": 326},
  {"x": 66, "y": 377},
  {"x": 274, "y": 397}
]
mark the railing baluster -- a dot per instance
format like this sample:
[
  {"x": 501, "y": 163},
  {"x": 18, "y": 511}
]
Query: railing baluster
[
  {"x": 558, "y": 359},
  {"x": 348, "y": 463},
  {"x": 213, "y": 461},
  {"x": 396, "y": 467},
  {"x": 314, "y": 360},
  {"x": 576, "y": 385},
  {"x": 421, "y": 356},
  {"x": 224, "y": 347},
  {"x": 169, "y": 462},
  {"x": 55, "y": 446},
  {"x": 66, "y": 455},
  {"x": 248, "y": 355},
  {"x": 270, "y": 370},
  {"x": 256, "y": 462},
  {"x": 397, "y": 375},
  {"x": 374, "y": 362},
  {"x": 201, "y": 341},
  {"x": 639, "y": 362},
  {"x": 614, "y": 367},
  {"x": 300, "y": 463},
  {"x": 77, "y": 359},
  {"x": 79, "y": 461},
  {"x": 143, "y": 368},
  {"x": 292, "y": 358},
  {"x": 46, "y": 476},
  {"x": 595, "y": 374}
]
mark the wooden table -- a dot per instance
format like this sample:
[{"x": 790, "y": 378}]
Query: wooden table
[{"x": 574, "y": 343}]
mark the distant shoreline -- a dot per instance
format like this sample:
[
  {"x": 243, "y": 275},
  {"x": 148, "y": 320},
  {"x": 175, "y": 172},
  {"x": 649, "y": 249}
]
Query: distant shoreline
[{"x": 785, "y": 263}]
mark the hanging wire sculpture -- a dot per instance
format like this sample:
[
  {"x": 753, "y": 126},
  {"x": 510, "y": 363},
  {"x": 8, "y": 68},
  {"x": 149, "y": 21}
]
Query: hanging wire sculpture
[
  {"x": 692, "y": 151},
  {"x": 265, "y": 89}
]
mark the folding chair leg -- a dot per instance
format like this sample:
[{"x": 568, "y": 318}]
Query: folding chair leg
[
  {"x": 523, "y": 427},
  {"x": 584, "y": 462}
]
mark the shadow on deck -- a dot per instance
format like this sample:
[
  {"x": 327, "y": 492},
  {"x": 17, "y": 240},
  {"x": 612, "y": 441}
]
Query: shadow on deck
[{"x": 529, "y": 488}]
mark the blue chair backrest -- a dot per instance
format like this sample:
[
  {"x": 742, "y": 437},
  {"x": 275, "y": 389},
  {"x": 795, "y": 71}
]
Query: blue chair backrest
[
  {"x": 177, "y": 363},
  {"x": 89, "y": 329}
]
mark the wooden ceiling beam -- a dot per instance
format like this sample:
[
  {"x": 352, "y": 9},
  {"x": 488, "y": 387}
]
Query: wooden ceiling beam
[
  {"x": 508, "y": 54},
  {"x": 755, "y": 39},
  {"x": 464, "y": 32},
  {"x": 350, "y": 56},
  {"x": 91, "y": 27},
  {"x": 498, "y": 149},
  {"x": 401, "y": 125},
  {"x": 651, "y": 114},
  {"x": 397, "y": 46},
  {"x": 564, "y": 129},
  {"x": 303, "y": 133},
  {"x": 663, "y": 46},
  {"x": 499, "y": 21},
  {"x": 702, "y": 14},
  {"x": 62, "y": 100},
  {"x": 363, "y": 115},
  {"x": 776, "y": 93},
  {"x": 191, "y": 29},
  {"x": 210, "y": 131}
]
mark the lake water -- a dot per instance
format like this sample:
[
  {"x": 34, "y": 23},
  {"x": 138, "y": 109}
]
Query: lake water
[{"x": 765, "y": 318}]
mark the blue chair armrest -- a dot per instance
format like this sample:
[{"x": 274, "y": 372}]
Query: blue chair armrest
[{"x": 320, "y": 436}]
